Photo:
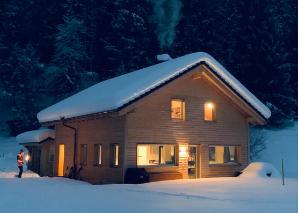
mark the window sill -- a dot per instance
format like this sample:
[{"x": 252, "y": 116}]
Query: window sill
[
  {"x": 224, "y": 164},
  {"x": 156, "y": 166},
  {"x": 177, "y": 120},
  {"x": 213, "y": 121}
]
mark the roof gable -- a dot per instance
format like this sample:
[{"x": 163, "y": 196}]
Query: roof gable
[{"x": 114, "y": 93}]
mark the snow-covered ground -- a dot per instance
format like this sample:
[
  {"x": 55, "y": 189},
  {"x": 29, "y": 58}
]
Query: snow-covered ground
[
  {"x": 251, "y": 192},
  {"x": 225, "y": 195}
]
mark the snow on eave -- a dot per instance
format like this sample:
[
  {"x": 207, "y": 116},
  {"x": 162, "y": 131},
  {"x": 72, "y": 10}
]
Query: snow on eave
[
  {"x": 36, "y": 136},
  {"x": 129, "y": 87}
]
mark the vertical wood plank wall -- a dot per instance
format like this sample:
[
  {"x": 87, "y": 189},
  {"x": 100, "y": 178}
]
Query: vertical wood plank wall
[{"x": 105, "y": 131}]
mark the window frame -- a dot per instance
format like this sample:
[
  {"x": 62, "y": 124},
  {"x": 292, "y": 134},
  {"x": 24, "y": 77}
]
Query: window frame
[
  {"x": 182, "y": 100},
  {"x": 176, "y": 152},
  {"x": 238, "y": 154},
  {"x": 214, "y": 109},
  {"x": 83, "y": 160},
  {"x": 96, "y": 160}
]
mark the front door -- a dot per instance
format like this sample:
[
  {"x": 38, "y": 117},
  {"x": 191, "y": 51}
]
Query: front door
[
  {"x": 192, "y": 162},
  {"x": 61, "y": 160}
]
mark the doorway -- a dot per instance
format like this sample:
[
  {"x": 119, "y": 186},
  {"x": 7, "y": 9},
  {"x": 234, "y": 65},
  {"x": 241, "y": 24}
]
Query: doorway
[
  {"x": 192, "y": 162},
  {"x": 61, "y": 160}
]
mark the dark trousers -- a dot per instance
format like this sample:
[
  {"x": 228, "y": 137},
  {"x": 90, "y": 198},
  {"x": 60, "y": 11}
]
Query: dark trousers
[{"x": 20, "y": 172}]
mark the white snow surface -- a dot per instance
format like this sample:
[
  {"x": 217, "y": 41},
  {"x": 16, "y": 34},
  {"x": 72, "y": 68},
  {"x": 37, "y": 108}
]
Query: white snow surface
[
  {"x": 207, "y": 195},
  {"x": 36, "y": 135},
  {"x": 116, "y": 92}
]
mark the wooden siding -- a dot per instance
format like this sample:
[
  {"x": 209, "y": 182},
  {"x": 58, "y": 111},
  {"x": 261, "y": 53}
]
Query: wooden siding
[
  {"x": 148, "y": 121},
  {"x": 105, "y": 131}
]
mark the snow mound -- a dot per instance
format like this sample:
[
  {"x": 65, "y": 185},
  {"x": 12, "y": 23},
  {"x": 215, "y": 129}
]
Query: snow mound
[
  {"x": 36, "y": 135},
  {"x": 260, "y": 169}
]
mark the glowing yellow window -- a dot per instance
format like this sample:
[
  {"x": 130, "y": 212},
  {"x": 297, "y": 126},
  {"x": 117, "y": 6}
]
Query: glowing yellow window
[
  {"x": 209, "y": 111},
  {"x": 115, "y": 155},
  {"x": 178, "y": 109}
]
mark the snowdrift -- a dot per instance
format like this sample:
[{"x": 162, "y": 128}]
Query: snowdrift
[{"x": 260, "y": 169}]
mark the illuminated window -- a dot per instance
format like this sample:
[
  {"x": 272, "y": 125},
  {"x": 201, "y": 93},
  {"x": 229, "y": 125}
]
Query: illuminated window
[
  {"x": 209, "y": 111},
  {"x": 83, "y": 154},
  {"x": 115, "y": 155},
  {"x": 156, "y": 154},
  {"x": 178, "y": 109},
  {"x": 97, "y": 154},
  {"x": 223, "y": 154}
]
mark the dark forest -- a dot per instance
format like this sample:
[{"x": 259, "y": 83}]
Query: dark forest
[{"x": 52, "y": 49}]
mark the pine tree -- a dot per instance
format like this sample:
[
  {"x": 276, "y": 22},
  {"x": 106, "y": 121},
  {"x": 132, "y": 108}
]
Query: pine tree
[
  {"x": 24, "y": 83},
  {"x": 68, "y": 71}
]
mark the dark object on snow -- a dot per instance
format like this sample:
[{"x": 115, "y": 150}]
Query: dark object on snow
[
  {"x": 283, "y": 172},
  {"x": 20, "y": 171},
  {"x": 268, "y": 174},
  {"x": 136, "y": 176},
  {"x": 238, "y": 173}
]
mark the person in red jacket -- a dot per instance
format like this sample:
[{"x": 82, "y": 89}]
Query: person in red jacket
[{"x": 20, "y": 162}]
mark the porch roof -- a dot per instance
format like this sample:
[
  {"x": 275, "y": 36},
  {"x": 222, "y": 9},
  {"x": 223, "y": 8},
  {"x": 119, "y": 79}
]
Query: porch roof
[{"x": 36, "y": 136}]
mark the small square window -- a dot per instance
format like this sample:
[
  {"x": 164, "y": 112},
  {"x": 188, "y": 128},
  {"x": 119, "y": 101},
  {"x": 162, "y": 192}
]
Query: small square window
[
  {"x": 178, "y": 109},
  {"x": 209, "y": 111}
]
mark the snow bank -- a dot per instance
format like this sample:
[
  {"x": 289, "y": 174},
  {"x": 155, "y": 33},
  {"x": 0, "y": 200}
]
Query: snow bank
[
  {"x": 260, "y": 169},
  {"x": 114, "y": 93},
  {"x": 36, "y": 135}
]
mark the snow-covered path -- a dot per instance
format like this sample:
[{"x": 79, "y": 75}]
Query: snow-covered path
[{"x": 202, "y": 195}]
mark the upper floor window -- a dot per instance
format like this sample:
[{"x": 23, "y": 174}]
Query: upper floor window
[
  {"x": 177, "y": 109},
  {"x": 209, "y": 111}
]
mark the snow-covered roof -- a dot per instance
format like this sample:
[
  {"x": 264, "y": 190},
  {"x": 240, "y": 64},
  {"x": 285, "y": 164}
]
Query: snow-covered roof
[
  {"x": 36, "y": 135},
  {"x": 116, "y": 92}
]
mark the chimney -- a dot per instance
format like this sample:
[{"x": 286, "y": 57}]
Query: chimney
[{"x": 163, "y": 57}]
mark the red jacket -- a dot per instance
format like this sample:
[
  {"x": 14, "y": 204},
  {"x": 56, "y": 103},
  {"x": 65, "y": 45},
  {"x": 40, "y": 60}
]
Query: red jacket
[{"x": 20, "y": 159}]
